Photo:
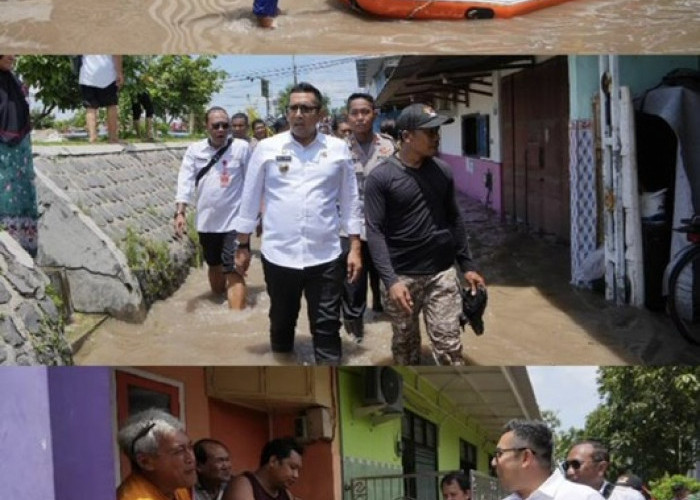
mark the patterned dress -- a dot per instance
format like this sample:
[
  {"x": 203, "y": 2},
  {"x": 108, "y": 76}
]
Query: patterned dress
[{"x": 18, "y": 204}]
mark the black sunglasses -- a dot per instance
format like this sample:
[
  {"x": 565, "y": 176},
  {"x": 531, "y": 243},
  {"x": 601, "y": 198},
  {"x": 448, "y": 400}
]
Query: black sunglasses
[
  {"x": 575, "y": 464},
  {"x": 142, "y": 433},
  {"x": 220, "y": 125},
  {"x": 305, "y": 110}
]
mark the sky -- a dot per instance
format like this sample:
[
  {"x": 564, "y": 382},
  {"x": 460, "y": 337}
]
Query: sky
[
  {"x": 337, "y": 80},
  {"x": 569, "y": 391}
]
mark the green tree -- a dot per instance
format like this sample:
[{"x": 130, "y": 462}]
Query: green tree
[
  {"x": 663, "y": 488},
  {"x": 649, "y": 419},
  {"x": 563, "y": 439},
  {"x": 182, "y": 85},
  {"x": 52, "y": 78}
]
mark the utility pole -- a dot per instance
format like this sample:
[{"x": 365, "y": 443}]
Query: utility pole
[
  {"x": 294, "y": 68},
  {"x": 265, "y": 92}
]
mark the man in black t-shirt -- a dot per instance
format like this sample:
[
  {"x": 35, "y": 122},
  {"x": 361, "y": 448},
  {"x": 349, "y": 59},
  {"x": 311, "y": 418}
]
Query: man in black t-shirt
[
  {"x": 415, "y": 234},
  {"x": 280, "y": 464}
]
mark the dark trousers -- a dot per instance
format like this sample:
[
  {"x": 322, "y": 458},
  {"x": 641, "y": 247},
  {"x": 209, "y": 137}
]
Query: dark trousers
[
  {"x": 322, "y": 287},
  {"x": 355, "y": 294}
]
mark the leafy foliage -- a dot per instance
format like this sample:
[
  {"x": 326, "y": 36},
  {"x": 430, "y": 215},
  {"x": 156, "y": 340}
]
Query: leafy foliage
[
  {"x": 649, "y": 418},
  {"x": 663, "y": 488},
  {"x": 53, "y": 79},
  {"x": 563, "y": 439},
  {"x": 179, "y": 86}
]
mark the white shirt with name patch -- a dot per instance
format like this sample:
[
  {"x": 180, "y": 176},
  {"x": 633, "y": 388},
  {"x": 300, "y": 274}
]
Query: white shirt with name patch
[
  {"x": 309, "y": 194},
  {"x": 218, "y": 194}
]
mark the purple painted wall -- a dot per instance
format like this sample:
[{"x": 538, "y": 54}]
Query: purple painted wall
[
  {"x": 26, "y": 469},
  {"x": 81, "y": 424},
  {"x": 469, "y": 177}
]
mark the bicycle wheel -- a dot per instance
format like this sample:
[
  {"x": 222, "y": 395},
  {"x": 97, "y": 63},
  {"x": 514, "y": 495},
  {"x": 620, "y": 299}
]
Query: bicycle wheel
[{"x": 684, "y": 295}]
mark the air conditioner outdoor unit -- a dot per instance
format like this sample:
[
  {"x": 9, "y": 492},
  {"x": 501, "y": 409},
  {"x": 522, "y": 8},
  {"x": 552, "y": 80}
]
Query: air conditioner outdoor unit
[
  {"x": 384, "y": 389},
  {"x": 313, "y": 425}
]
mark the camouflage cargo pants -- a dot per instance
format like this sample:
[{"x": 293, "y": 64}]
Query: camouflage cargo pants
[{"x": 438, "y": 297}]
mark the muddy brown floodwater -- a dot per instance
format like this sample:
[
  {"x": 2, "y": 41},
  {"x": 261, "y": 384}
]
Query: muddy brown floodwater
[
  {"x": 534, "y": 317},
  {"x": 327, "y": 26}
]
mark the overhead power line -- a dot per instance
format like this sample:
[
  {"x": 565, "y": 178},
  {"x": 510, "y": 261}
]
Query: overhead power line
[{"x": 288, "y": 70}]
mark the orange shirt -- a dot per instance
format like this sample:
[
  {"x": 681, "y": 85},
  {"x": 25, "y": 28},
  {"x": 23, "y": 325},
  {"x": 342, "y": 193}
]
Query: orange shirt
[{"x": 137, "y": 487}]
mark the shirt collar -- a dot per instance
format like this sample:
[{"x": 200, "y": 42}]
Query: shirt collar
[
  {"x": 552, "y": 484},
  {"x": 320, "y": 139}
]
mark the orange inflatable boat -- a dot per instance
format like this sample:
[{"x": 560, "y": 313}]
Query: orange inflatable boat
[{"x": 449, "y": 9}]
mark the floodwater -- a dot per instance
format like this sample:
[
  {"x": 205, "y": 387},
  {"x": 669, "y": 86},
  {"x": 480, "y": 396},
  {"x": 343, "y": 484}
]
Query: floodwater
[
  {"x": 534, "y": 317},
  {"x": 327, "y": 26}
]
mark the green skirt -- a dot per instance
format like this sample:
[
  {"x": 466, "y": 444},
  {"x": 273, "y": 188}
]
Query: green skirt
[{"x": 18, "y": 205}]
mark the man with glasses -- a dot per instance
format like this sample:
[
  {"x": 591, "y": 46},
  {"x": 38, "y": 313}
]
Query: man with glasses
[
  {"x": 587, "y": 462},
  {"x": 214, "y": 169},
  {"x": 368, "y": 150},
  {"x": 305, "y": 181},
  {"x": 161, "y": 458},
  {"x": 523, "y": 463},
  {"x": 416, "y": 233}
]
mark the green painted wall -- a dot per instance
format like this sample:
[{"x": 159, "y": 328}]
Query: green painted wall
[
  {"x": 637, "y": 72},
  {"x": 453, "y": 424},
  {"x": 374, "y": 445}
]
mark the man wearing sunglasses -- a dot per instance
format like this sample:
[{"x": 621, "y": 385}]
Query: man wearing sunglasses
[
  {"x": 416, "y": 234},
  {"x": 523, "y": 463},
  {"x": 161, "y": 457},
  {"x": 587, "y": 462},
  {"x": 214, "y": 169},
  {"x": 306, "y": 182}
]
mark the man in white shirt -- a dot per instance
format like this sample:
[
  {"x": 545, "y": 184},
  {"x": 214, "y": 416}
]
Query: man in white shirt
[
  {"x": 306, "y": 182},
  {"x": 218, "y": 200},
  {"x": 523, "y": 462},
  {"x": 100, "y": 79},
  {"x": 587, "y": 463}
]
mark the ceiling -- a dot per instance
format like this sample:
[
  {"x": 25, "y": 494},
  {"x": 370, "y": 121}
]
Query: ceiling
[
  {"x": 490, "y": 395},
  {"x": 427, "y": 78}
]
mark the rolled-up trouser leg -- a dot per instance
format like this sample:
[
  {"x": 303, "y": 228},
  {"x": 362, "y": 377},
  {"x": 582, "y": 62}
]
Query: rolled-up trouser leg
[
  {"x": 284, "y": 286},
  {"x": 442, "y": 305},
  {"x": 323, "y": 290}
]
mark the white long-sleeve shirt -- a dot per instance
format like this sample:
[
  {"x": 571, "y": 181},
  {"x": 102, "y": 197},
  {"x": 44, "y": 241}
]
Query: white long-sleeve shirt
[
  {"x": 218, "y": 194},
  {"x": 309, "y": 194}
]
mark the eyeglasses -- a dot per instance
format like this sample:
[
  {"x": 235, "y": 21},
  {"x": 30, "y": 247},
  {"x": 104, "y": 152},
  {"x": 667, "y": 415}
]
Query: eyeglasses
[
  {"x": 220, "y": 125},
  {"x": 499, "y": 452},
  {"x": 303, "y": 108},
  {"x": 142, "y": 433},
  {"x": 576, "y": 464}
]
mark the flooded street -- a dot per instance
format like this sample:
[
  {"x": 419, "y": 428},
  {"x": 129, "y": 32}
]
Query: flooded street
[
  {"x": 534, "y": 317},
  {"x": 327, "y": 26}
]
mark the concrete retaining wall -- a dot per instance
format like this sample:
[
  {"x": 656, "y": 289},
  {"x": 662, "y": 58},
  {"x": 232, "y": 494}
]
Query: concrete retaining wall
[
  {"x": 31, "y": 330},
  {"x": 90, "y": 199}
]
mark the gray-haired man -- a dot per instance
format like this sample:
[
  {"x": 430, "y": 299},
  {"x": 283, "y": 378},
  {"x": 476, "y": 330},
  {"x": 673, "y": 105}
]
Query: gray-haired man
[{"x": 161, "y": 457}]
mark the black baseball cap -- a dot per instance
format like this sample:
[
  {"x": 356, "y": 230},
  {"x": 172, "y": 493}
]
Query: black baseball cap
[{"x": 418, "y": 116}]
